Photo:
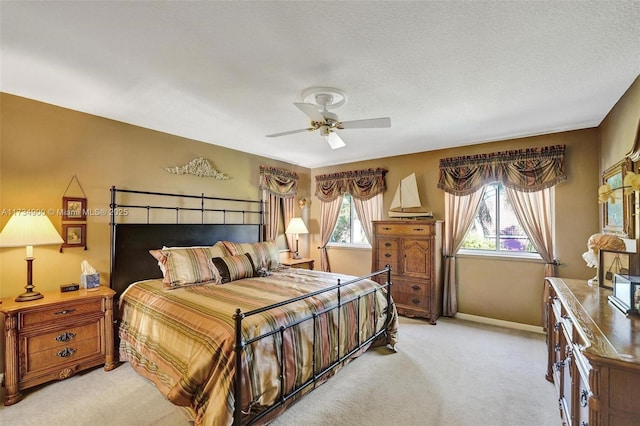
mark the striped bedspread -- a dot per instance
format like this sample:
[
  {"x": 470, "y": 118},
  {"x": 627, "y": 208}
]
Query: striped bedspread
[{"x": 183, "y": 339}]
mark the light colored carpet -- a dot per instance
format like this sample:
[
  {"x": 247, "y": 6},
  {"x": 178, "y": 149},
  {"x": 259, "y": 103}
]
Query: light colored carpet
[{"x": 454, "y": 373}]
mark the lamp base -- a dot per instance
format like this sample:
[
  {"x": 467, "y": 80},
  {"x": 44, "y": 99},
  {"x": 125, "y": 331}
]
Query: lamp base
[
  {"x": 28, "y": 296},
  {"x": 296, "y": 256}
]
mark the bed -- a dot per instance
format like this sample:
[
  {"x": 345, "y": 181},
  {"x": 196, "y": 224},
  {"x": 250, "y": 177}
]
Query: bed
[{"x": 239, "y": 339}]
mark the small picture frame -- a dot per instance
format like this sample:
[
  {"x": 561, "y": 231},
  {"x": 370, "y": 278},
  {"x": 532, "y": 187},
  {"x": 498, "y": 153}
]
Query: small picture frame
[
  {"x": 610, "y": 264},
  {"x": 74, "y": 208},
  {"x": 616, "y": 216},
  {"x": 74, "y": 235}
]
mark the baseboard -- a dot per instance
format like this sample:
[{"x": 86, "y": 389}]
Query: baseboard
[{"x": 500, "y": 323}]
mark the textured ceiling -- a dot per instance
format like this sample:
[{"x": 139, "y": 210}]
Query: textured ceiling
[{"x": 227, "y": 73}]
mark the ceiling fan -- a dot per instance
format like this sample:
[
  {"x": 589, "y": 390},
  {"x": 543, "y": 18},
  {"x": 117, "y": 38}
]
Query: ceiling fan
[{"x": 327, "y": 122}]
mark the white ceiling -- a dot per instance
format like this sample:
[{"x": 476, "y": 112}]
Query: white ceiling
[{"x": 447, "y": 73}]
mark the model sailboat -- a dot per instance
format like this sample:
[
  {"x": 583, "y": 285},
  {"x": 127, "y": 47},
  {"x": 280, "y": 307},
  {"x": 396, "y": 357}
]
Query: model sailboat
[{"x": 406, "y": 201}]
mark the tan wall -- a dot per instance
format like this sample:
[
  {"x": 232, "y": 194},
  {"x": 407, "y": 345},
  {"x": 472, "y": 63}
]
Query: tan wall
[
  {"x": 43, "y": 146},
  {"x": 506, "y": 290},
  {"x": 618, "y": 129}
]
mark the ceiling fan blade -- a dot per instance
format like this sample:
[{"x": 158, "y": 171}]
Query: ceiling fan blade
[
  {"x": 290, "y": 132},
  {"x": 311, "y": 111},
  {"x": 335, "y": 141},
  {"x": 366, "y": 124}
]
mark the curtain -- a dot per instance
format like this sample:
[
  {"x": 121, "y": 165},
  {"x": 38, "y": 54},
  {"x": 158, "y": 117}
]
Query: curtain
[
  {"x": 277, "y": 184},
  {"x": 534, "y": 211},
  {"x": 360, "y": 184},
  {"x": 368, "y": 211},
  {"x": 329, "y": 212},
  {"x": 459, "y": 212},
  {"x": 287, "y": 214},
  {"x": 527, "y": 170},
  {"x": 280, "y": 182},
  {"x": 272, "y": 209}
]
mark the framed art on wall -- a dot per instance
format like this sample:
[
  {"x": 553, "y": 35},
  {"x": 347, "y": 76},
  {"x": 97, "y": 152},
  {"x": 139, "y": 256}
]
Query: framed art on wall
[
  {"x": 616, "y": 213},
  {"x": 74, "y": 208},
  {"x": 74, "y": 235}
]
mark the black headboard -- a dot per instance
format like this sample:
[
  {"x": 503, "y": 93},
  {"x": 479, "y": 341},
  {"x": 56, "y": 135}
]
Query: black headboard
[{"x": 131, "y": 242}]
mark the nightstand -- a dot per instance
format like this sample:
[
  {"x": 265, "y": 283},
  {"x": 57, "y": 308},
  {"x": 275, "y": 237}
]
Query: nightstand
[
  {"x": 55, "y": 337},
  {"x": 303, "y": 263}
]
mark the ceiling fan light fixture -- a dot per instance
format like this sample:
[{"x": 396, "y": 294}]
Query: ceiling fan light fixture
[{"x": 334, "y": 140}]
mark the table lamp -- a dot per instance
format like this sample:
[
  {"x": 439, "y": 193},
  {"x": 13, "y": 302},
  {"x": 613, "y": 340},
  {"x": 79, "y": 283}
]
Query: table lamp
[
  {"x": 29, "y": 229},
  {"x": 297, "y": 227}
]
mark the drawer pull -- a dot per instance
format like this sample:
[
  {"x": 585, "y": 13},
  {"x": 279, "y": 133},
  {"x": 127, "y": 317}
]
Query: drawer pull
[
  {"x": 64, "y": 312},
  {"x": 66, "y": 352},
  {"x": 415, "y": 287},
  {"x": 416, "y": 301},
  {"x": 584, "y": 398},
  {"x": 418, "y": 229},
  {"x": 65, "y": 337},
  {"x": 387, "y": 244},
  {"x": 387, "y": 255},
  {"x": 387, "y": 229}
]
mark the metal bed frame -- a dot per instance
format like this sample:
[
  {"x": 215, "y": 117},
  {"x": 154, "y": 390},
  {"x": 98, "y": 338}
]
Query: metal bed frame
[{"x": 133, "y": 240}]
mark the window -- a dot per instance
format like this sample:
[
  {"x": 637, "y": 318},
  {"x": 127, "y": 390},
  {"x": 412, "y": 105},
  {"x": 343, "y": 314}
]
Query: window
[
  {"x": 348, "y": 229},
  {"x": 496, "y": 227}
]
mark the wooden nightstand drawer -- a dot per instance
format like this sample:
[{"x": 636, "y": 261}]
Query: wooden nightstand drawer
[
  {"x": 60, "y": 356},
  {"x": 59, "y": 312},
  {"x": 60, "y": 338}
]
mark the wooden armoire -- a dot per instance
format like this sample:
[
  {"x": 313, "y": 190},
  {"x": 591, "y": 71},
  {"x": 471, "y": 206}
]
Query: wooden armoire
[{"x": 413, "y": 248}]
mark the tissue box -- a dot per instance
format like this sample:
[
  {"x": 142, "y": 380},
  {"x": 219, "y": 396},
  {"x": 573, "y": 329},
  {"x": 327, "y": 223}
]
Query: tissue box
[{"x": 90, "y": 281}]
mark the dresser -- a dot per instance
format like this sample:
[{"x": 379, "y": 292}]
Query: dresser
[
  {"x": 55, "y": 337},
  {"x": 413, "y": 249},
  {"x": 593, "y": 355}
]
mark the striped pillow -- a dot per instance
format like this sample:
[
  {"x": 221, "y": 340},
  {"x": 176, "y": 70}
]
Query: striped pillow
[
  {"x": 264, "y": 253},
  {"x": 183, "y": 266},
  {"x": 233, "y": 268}
]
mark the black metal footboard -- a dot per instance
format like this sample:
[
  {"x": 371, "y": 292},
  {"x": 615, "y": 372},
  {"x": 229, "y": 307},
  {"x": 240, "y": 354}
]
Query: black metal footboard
[{"x": 239, "y": 417}]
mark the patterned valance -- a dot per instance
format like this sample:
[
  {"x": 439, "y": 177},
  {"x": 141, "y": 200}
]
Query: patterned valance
[
  {"x": 527, "y": 170},
  {"x": 360, "y": 184},
  {"x": 279, "y": 182}
]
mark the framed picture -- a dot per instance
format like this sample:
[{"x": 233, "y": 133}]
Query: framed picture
[
  {"x": 74, "y": 235},
  {"x": 74, "y": 208},
  {"x": 617, "y": 216},
  {"x": 611, "y": 263}
]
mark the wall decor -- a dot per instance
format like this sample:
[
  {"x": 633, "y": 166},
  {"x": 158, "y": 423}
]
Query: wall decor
[
  {"x": 74, "y": 235},
  {"x": 617, "y": 209},
  {"x": 198, "y": 167},
  {"x": 74, "y": 208}
]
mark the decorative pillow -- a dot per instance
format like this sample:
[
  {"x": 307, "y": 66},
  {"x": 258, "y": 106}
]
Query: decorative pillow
[
  {"x": 182, "y": 266},
  {"x": 233, "y": 268},
  {"x": 264, "y": 253}
]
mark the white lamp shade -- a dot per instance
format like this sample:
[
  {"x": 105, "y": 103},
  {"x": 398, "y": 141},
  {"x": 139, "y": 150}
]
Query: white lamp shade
[
  {"x": 296, "y": 226},
  {"x": 24, "y": 229}
]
